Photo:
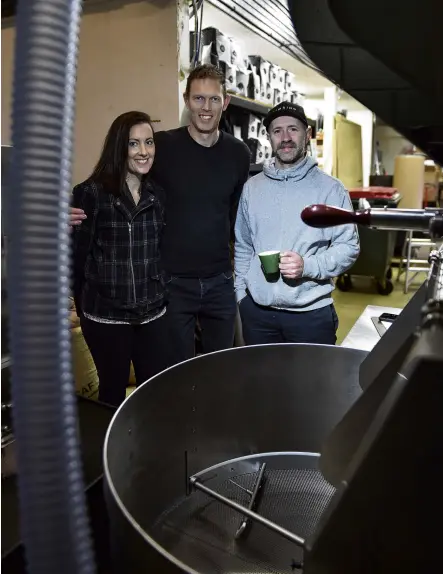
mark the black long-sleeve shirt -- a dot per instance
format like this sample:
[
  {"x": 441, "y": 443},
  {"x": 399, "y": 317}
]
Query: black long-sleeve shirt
[{"x": 202, "y": 187}]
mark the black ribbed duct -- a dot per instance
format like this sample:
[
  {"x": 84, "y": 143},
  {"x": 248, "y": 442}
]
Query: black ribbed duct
[
  {"x": 270, "y": 19},
  {"x": 386, "y": 54}
]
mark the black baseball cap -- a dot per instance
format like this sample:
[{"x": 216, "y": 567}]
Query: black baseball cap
[{"x": 285, "y": 109}]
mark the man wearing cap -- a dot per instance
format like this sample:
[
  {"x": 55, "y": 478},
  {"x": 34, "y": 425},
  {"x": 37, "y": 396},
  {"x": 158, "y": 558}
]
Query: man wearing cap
[{"x": 296, "y": 306}]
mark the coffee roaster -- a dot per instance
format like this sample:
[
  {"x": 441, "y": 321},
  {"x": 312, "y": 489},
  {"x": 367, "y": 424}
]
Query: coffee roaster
[{"x": 278, "y": 458}]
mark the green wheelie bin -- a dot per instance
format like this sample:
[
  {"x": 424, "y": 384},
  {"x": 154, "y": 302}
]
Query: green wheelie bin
[{"x": 376, "y": 246}]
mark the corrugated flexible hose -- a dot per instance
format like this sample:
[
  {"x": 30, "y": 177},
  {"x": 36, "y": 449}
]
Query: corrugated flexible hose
[{"x": 54, "y": 523}]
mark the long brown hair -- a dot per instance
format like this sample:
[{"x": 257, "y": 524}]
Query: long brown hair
[{"x": 111, "y": 167}]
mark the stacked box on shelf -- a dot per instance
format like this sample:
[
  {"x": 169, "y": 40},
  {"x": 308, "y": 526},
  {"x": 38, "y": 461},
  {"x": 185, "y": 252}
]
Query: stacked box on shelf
[
  {"x": 250, "y": 76},
  {"x": 226, "y": 53},
  {"x": 271, "y": 84},
  {"x": 263, "y": 83}
]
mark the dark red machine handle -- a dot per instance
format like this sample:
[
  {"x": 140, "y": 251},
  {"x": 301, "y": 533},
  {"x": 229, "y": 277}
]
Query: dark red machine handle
[{"x": 328, "y": 216}]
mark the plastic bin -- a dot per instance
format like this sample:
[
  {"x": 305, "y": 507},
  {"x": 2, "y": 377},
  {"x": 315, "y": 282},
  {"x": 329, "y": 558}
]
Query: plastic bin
[
  {"x": 376, "y": 195},
  {"x": 376, "y": 246}
]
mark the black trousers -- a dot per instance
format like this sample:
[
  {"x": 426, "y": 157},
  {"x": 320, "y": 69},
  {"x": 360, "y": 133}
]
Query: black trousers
[
  {"x": 114, "y": 347},
  {"x": 263, "y": 325},
  {"x": 211, "y": 301}
]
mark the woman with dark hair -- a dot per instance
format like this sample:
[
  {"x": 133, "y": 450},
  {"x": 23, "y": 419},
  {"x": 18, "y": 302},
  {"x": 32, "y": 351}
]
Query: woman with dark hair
[{"x": 118, "y": 284}]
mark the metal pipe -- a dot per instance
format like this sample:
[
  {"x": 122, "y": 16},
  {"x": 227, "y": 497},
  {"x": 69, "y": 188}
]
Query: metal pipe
[
  {"x": 321, "y": 216},
  {"x": 396, "y": 219},
  {"x": 435, "y": 276},
  {"x": 239, "y": 508},
  {"x": 251, "y": 505}
]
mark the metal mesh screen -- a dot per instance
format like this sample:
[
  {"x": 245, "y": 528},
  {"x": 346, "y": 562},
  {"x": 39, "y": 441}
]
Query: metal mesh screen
[{"x": 201, "y": 531}]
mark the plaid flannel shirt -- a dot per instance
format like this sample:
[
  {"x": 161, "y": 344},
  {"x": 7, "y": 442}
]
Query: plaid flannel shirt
[{"x": 116, "y": 253}]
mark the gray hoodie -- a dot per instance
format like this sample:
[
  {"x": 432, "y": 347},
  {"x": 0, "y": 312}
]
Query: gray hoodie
[{"x": 269, "y": 219}]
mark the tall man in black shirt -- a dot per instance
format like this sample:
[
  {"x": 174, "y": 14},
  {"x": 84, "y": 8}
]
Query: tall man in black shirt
[{"x": 202, "y": 171}]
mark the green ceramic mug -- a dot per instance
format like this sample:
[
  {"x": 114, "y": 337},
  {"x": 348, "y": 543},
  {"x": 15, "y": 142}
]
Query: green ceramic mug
[{"x": 270, "y": 261}]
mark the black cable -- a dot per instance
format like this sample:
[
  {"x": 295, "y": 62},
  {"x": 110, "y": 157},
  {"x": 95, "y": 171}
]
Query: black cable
[
  {"x": 202, "y": 3},
  {"x": 196, "y": 28}
]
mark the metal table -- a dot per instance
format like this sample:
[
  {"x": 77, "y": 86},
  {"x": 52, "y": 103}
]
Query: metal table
[{"x": 364, "y": 334}]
